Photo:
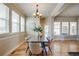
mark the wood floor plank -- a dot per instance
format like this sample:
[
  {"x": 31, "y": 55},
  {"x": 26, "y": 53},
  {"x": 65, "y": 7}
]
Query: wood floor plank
[{"x": 59, "y": 48}]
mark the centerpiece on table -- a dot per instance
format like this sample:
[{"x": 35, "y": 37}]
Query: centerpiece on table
[{"x": 39, "y": 31}]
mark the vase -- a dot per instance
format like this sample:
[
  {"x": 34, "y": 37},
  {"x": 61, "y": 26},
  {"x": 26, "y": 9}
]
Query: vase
[{"x": 38, "y": 35}]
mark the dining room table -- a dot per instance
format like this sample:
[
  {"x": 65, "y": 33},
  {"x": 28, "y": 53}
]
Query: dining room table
[{"x": 42, "y": 41}]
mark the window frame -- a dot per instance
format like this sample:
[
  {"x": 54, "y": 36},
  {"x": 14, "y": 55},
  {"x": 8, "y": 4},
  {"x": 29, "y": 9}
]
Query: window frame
[
  {"x": 75, "y": 29},
  {"x": 21, "y": 24},
  {"x": 5, "y": 19},
  {"x": 9, "y": 17},
  {"x": 18, "y": 23},
  {"x": 68, "y": 34},
  {"x": 67, "y": 27},
  {"x": 57, "y": 28}
]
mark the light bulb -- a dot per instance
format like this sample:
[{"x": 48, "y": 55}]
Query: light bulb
[
  {"x": 34, "y": 14},
  {"x": 40, "y": 14}
]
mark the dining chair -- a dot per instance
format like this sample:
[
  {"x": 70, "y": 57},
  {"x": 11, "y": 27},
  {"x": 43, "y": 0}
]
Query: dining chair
[
  {"x": 49, "y": 44},
  {"x": 35, "y": 49},
  {"x": 44, "y": 48},
  {"x": 27, "y": 45}
]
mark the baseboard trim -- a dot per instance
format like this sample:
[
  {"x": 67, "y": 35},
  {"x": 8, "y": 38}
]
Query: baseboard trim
[{"x": 8, "y": 53}]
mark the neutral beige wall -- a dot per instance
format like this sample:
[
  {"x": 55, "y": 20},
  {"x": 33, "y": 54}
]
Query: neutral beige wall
[
  {"x": 10, "y": 41},
  {"x": 8, "y": 44},
  {"x": 43, "y": 22},
  {"x": 64, "y": 18}
]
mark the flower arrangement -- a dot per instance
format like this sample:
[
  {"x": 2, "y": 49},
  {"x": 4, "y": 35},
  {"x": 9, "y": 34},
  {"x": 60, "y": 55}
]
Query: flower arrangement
[{"x": 38, "y": 29}]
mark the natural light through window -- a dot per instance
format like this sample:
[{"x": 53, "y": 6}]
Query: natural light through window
[
  {"x": 56, "y": 28},
  {"x": 22, "y": 24},
  {"x": 73, "y": 28},
  {"x": 4, "y": 19},
  {"x": 65, "y": 28},
  {"x": 15, "y": 22},
  {"x": 46, "y": 31}
]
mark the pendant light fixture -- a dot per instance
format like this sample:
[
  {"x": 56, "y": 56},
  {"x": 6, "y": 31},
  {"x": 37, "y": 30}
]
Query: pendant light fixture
[{"x": 37, "y": 13}]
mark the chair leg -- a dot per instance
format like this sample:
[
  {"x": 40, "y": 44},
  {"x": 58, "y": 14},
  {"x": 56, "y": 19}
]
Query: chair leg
[
  {"x": 50, "y": 50},
  {"x": 30, "y": 53},
  {"x": 42, "y": 52},
  {"x": 27, "y": 49},
  {"x": 45, "y": 51}
]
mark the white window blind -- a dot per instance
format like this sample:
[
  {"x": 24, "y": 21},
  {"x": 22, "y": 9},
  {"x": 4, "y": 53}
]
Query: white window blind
[
  {"x": 65, "y": 28},
  {"x": 15, "y": 22},
  {"x": 73, "y": 28},
  {"x": 56, "y": 28},
  {"x": 4, "y": 19},
  {"x": 22, "y": 24}
]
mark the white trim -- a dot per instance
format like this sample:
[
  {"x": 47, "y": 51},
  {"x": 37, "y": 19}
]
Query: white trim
[{"x": 6, "y": 54}]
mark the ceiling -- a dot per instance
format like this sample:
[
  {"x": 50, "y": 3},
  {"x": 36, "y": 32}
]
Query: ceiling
[
  {"x": 50, "y": 9},
  {"x": 44, "y": 8},
  {"x": 72, "y": 10}
]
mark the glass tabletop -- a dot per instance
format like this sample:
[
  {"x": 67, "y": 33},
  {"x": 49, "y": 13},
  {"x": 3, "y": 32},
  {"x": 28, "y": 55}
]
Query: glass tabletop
[{"x": 36, "y": 40}]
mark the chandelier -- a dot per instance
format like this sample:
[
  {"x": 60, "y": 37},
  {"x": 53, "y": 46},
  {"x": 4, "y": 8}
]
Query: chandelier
[{"x": 37, "y": 13}]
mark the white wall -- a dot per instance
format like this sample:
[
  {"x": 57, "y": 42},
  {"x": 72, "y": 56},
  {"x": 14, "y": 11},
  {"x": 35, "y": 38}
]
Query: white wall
[
  {"x": 30, "y": 24},
  {"x": 49, "y": 22}
]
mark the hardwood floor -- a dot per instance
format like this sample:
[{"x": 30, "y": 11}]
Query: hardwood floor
[{"x": 59, "y": 48}]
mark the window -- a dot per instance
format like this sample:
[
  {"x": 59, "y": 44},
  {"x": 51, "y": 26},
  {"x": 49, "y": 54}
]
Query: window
[
  {"x": 4, "y": 19},
  {"x": 73, "y": 28},
  {"x": 15, "y": 22},
  {"x": 56, "y": 28},
  {"x": 65, "y": 28},
  {"x": 46, "y": 30},
  {"x": 22, "y": 24}
]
